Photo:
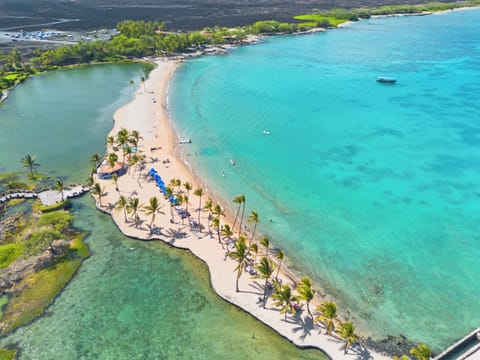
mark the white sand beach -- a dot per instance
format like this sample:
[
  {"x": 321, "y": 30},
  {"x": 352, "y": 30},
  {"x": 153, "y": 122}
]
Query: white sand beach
[{"x": 147, "y": 114}]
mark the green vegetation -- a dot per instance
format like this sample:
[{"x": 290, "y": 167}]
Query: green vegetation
[
  {"x": 60, "y": 205},
  {"x": 332, "y": 18},
  {"x": 9, "y": 253},
  {"x": 138, "y": 39},
  {"x": 39, "y": 289},
  {"x": 59, "y": 220},
  {"x": 33, "y": 234},
  {"x": 335, "y": 17},
  {"x": 7, "y": 354}
]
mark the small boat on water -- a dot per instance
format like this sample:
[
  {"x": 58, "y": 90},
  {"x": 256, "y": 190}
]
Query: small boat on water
[
  {"x": 185, "y": 141},
  {"x": 388, "y": 80},
  {"x": 232, "y": 161},
  {"x": 266, "y": 132}
]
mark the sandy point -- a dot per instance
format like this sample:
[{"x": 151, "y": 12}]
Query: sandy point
[{"x": 147, "y": 114}]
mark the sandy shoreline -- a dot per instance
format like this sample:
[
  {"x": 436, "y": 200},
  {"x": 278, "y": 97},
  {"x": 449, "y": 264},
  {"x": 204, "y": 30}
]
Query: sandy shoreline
[{"x": 147, "y": 114}]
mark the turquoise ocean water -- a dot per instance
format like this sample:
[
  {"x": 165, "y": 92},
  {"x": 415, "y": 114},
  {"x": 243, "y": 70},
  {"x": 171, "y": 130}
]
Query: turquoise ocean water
[
  {"x": 129, "y": 300},
  {"x": 371, "y": 189}
]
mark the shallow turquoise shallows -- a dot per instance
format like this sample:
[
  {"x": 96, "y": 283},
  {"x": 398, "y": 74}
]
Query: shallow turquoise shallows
[
  {"x": 129, "y": 300},
  {"x": 372, "y": 189}
]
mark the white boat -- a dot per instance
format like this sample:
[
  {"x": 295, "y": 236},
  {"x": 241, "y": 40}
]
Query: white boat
[
  {"x": 232, "y": 161},
  {"x": 384, "y": 79},
  {"x": 185, "y": 141},
  {"x": 266, "y": 132}
]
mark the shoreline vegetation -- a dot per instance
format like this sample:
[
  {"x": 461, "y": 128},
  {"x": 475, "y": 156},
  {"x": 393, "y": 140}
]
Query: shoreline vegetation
[
  {"x": 270, "y": 288},
  {"x": 40, "y": 251},
  {"x": 141, "y": 39}
]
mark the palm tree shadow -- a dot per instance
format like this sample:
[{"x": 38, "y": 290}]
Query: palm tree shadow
[
  {"x": 362, "y": 352},
  {"x": 110, "y": 207},
  {"x": 137, "y": 224},
  {"x": 257, "y": 286},
  {"x": 305, "y": 325},
  {"x": 175, "y": 234}
]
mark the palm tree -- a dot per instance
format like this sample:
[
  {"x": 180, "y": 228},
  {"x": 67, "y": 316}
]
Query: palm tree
[
  {"x": 284, "y": 298},
  {"x": 185, "y": 201},
  {"x": 188, "y": 187},
  {"x": 306, "y": 292},
  {"x": 209, "y": 207},
  {"x": 115, "y": 180},
  {"x": 110, "y": 141},
  {"x": 122, "y": 204},
  {"x": 168, "y": 193},
  {"x": 216, "y": 225},
  {"x": 132, "y": 207},
  {"x": 135, "y": 138},
  {"x": 140, "y": 165},
  {"x": 218, "y": 211},
  {"x": 279, "y": 255},
  {"x": 347, "y": 332},
  {"x": 94, "y": 160},
  {"x": 238, "y": 200},
  {"x": 112, "y": 159},
  {"x": 254, "y": 250},
  {"x": 28, "y": 161},
  {"x": 59, "y": 186},
  {"x": 240, "y": 254},
  {"x": 421, "y": 352},
  {"x": 122, "y": 141},
  {"x": 227, "y": 232},
  {"x": 152, "y": 208},
  {"x": 199, "y": 192},
  {"x": 133, "y": 161},
  {"x": 178, "y": 184},
  {"x": 181, "y": 200},
  {"x": 265, "y": 243},
  {"x": 241, "y": 217},
  {"x": 97, "y": 190},
  {"x": 122, "y": 133},
  {"x": 265, "y": 268},
  {"x": 89, "y": 180},
  {"x": 253, "y": 217},
  {"x": 172, "y": 183},
  {"x": 328, "y": 314}
]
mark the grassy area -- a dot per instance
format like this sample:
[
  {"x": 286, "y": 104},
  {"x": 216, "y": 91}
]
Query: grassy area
[
  {"x": 321, "y": 20},
  {"x": 40, "y": 289},
  {"x": 32, "y": 235},
  {"x": 7, "y": 354},
  {"x": 60, "y": 205},
  {"x": 9, "y": 253},
  {"x": 335, "y": 17}
]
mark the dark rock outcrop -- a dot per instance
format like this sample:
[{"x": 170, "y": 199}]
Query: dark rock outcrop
[{"x": 20, "y": 269}]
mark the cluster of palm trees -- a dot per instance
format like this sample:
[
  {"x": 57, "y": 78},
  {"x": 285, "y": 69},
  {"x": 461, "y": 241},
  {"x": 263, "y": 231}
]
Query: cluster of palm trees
[
  {"x": 283, "y": 296},
  {"x": 127, "y": 142},
  {"x": 132, "y": 206},
  {"x": 245, "y": 252}
]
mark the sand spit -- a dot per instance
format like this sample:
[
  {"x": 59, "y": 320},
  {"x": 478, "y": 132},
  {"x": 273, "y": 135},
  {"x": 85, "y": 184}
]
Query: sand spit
[{"x": 147, "y": 114}]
